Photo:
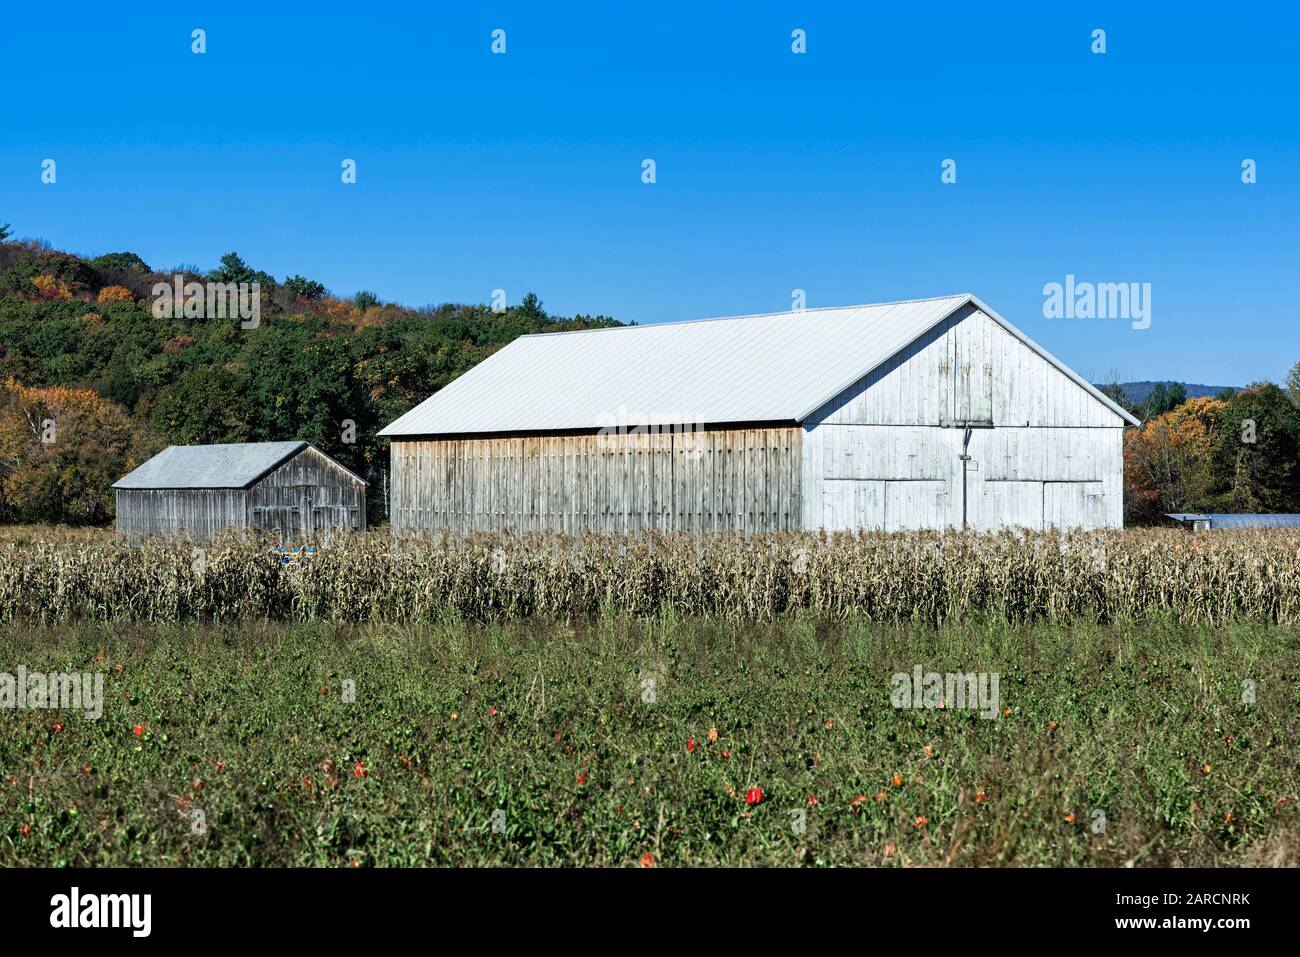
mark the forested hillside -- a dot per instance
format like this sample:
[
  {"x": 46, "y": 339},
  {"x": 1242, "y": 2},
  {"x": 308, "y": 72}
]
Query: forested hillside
[
  {"x": 80, "y": 347},
  {"x": 92, "y": 382}
]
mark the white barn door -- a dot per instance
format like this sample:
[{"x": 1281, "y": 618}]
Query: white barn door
[
  {"x": 1040, "y": 478},
  {"x": 889, "y": 478},
  {"x": 887, "y": 452}
]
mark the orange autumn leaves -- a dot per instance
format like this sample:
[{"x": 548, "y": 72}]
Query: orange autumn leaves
[
  {"x": 112, "y": 294},
  {"x": 65, "y": 448},
  {"x": 52, "y": 288},
  {"x": 1163, "y": 461}
]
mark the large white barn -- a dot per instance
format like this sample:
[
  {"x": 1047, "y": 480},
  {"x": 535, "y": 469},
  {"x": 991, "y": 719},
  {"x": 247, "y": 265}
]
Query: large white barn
[{"x": 929, "y": 413}]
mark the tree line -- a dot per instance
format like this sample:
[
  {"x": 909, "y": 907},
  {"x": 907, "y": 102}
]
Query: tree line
[
  {"x": 92, "y": 384},
  {"x": 1238, "y": 451}
]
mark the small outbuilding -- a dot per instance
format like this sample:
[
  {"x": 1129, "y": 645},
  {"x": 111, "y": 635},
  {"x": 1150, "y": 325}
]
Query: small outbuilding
[
  {"x": 289, "y": 488},
  {"x": 1205, "y": 521}
]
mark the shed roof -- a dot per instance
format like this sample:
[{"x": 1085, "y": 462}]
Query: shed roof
[
  {"x": 235, "y": 465},
  {"x": 1232, "y": 520},
  {"x": 778, "y": 367}
]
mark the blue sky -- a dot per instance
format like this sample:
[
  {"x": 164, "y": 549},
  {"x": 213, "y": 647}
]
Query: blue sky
[{"x": 775, "y": 171}]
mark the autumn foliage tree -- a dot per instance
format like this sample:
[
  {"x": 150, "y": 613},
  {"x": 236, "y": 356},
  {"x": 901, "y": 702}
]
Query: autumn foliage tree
[
  {"x": 1165, "y": 461},
  {"x": 61, "y": 450},
  {"x": 114, "y": 294},
  {"x": 1214, "y": 455}
]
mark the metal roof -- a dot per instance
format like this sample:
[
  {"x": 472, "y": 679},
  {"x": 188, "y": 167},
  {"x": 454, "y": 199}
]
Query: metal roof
[
  {"x": 778, "y": 367},
  {"x": 1230, "y": 520},
  {"x": 237, "y": 465}
]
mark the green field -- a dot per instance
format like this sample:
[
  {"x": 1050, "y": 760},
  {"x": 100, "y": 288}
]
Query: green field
[{"x": 545, "y": 744}]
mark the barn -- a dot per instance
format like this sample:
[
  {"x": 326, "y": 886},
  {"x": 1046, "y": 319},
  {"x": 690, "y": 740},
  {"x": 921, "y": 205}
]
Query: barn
[
  {"x": 930, "y": 413},
  {"x": 288, "y": 488}
]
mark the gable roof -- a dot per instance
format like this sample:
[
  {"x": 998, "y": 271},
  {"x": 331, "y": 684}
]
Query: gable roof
[
  {"x": 778, "y": 367},
  {"x": 236, "y": 465}
]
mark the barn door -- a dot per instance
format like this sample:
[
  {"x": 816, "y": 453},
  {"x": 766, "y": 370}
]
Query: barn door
[
  {"x": 966, "y": 374},
  {"x": 327, "y": 520},
  {"x": 973, "y": 369},
  {"x": 969, "y": 386},
  {"x": 308, "y": 510},
  {"x": 322, "y": 517},
  {"x": 987, "y": 503}
]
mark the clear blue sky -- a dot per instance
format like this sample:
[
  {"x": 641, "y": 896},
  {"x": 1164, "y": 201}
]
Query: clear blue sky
[{"x": 775, "y": 171}]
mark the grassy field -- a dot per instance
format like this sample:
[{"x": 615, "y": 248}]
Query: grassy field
[{"x": 645, "y": 741}]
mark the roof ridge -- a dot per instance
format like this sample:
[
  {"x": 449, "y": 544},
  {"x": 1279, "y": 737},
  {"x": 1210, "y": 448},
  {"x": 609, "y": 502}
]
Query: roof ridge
[
  {"x": 223, "y": 445},
  {"x": 750, "y": 315}
]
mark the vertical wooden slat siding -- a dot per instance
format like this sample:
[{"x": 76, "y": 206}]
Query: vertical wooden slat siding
[
  {"x": 719, "y": 480},
  {"x": 307, "y": 497},
  {"x": 202, "y": 513}
]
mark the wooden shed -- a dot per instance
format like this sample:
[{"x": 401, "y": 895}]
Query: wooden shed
[
  {"x": 929, "y": 413},
  {"x": 289, "y": 488}
]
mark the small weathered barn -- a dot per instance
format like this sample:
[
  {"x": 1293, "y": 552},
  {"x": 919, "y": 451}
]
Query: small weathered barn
[
  {"x": 930, "y": 413},
  {"x": 289, "y": 488}
]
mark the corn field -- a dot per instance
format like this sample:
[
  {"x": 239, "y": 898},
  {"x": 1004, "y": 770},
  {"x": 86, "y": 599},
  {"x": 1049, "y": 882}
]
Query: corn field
[{"x": 922, "y": 576}]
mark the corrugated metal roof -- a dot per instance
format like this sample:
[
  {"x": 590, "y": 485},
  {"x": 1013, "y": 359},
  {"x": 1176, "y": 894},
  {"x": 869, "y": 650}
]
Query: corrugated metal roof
[
  {"x": 1230, "y": 520},
  {"x": 779, "y": 367},
  {"x": 236, "y": 465}
]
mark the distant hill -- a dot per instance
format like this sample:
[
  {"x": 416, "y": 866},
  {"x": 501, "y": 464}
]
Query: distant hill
[
  {"x": 83, "y": 336},
  {"x": 1137, "y": 392}
]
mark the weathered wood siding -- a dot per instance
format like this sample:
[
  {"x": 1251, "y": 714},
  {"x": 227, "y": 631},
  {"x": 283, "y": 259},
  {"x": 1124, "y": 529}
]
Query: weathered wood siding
[
  {"x": 743, "y": 479},
  {"x": 198, "y": 512},
  {"x": 309, "y": 497},
  {"x": 886, "y": 453}
]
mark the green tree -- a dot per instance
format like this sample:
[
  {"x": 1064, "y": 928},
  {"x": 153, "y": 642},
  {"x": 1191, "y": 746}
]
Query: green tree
[
  {"x": 299, "y": 385},
  {"x": 234, "y": 269},
  {"x": 1255, "y": 459},
  {"x": 120, "y": 262},
  {"x": 306, "y": 288},
  {"x": 1119, "y": 395},
  {"x": 1164, "y": 397},
  {"x": 531, "y": 307},
  {"x": 204, "y": 405}
]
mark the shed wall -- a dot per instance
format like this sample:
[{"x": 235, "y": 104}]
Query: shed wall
[
  {"x": 142, "y": 513},
  {"x": 743, "y": 479}
]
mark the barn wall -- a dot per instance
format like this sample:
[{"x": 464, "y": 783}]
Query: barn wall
[
  {"x": 886, "y": 453},
  {"x": 309, "y": 496},
  {"x": 744, "y": 479},
  {"x": 201, "y": 513}
]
